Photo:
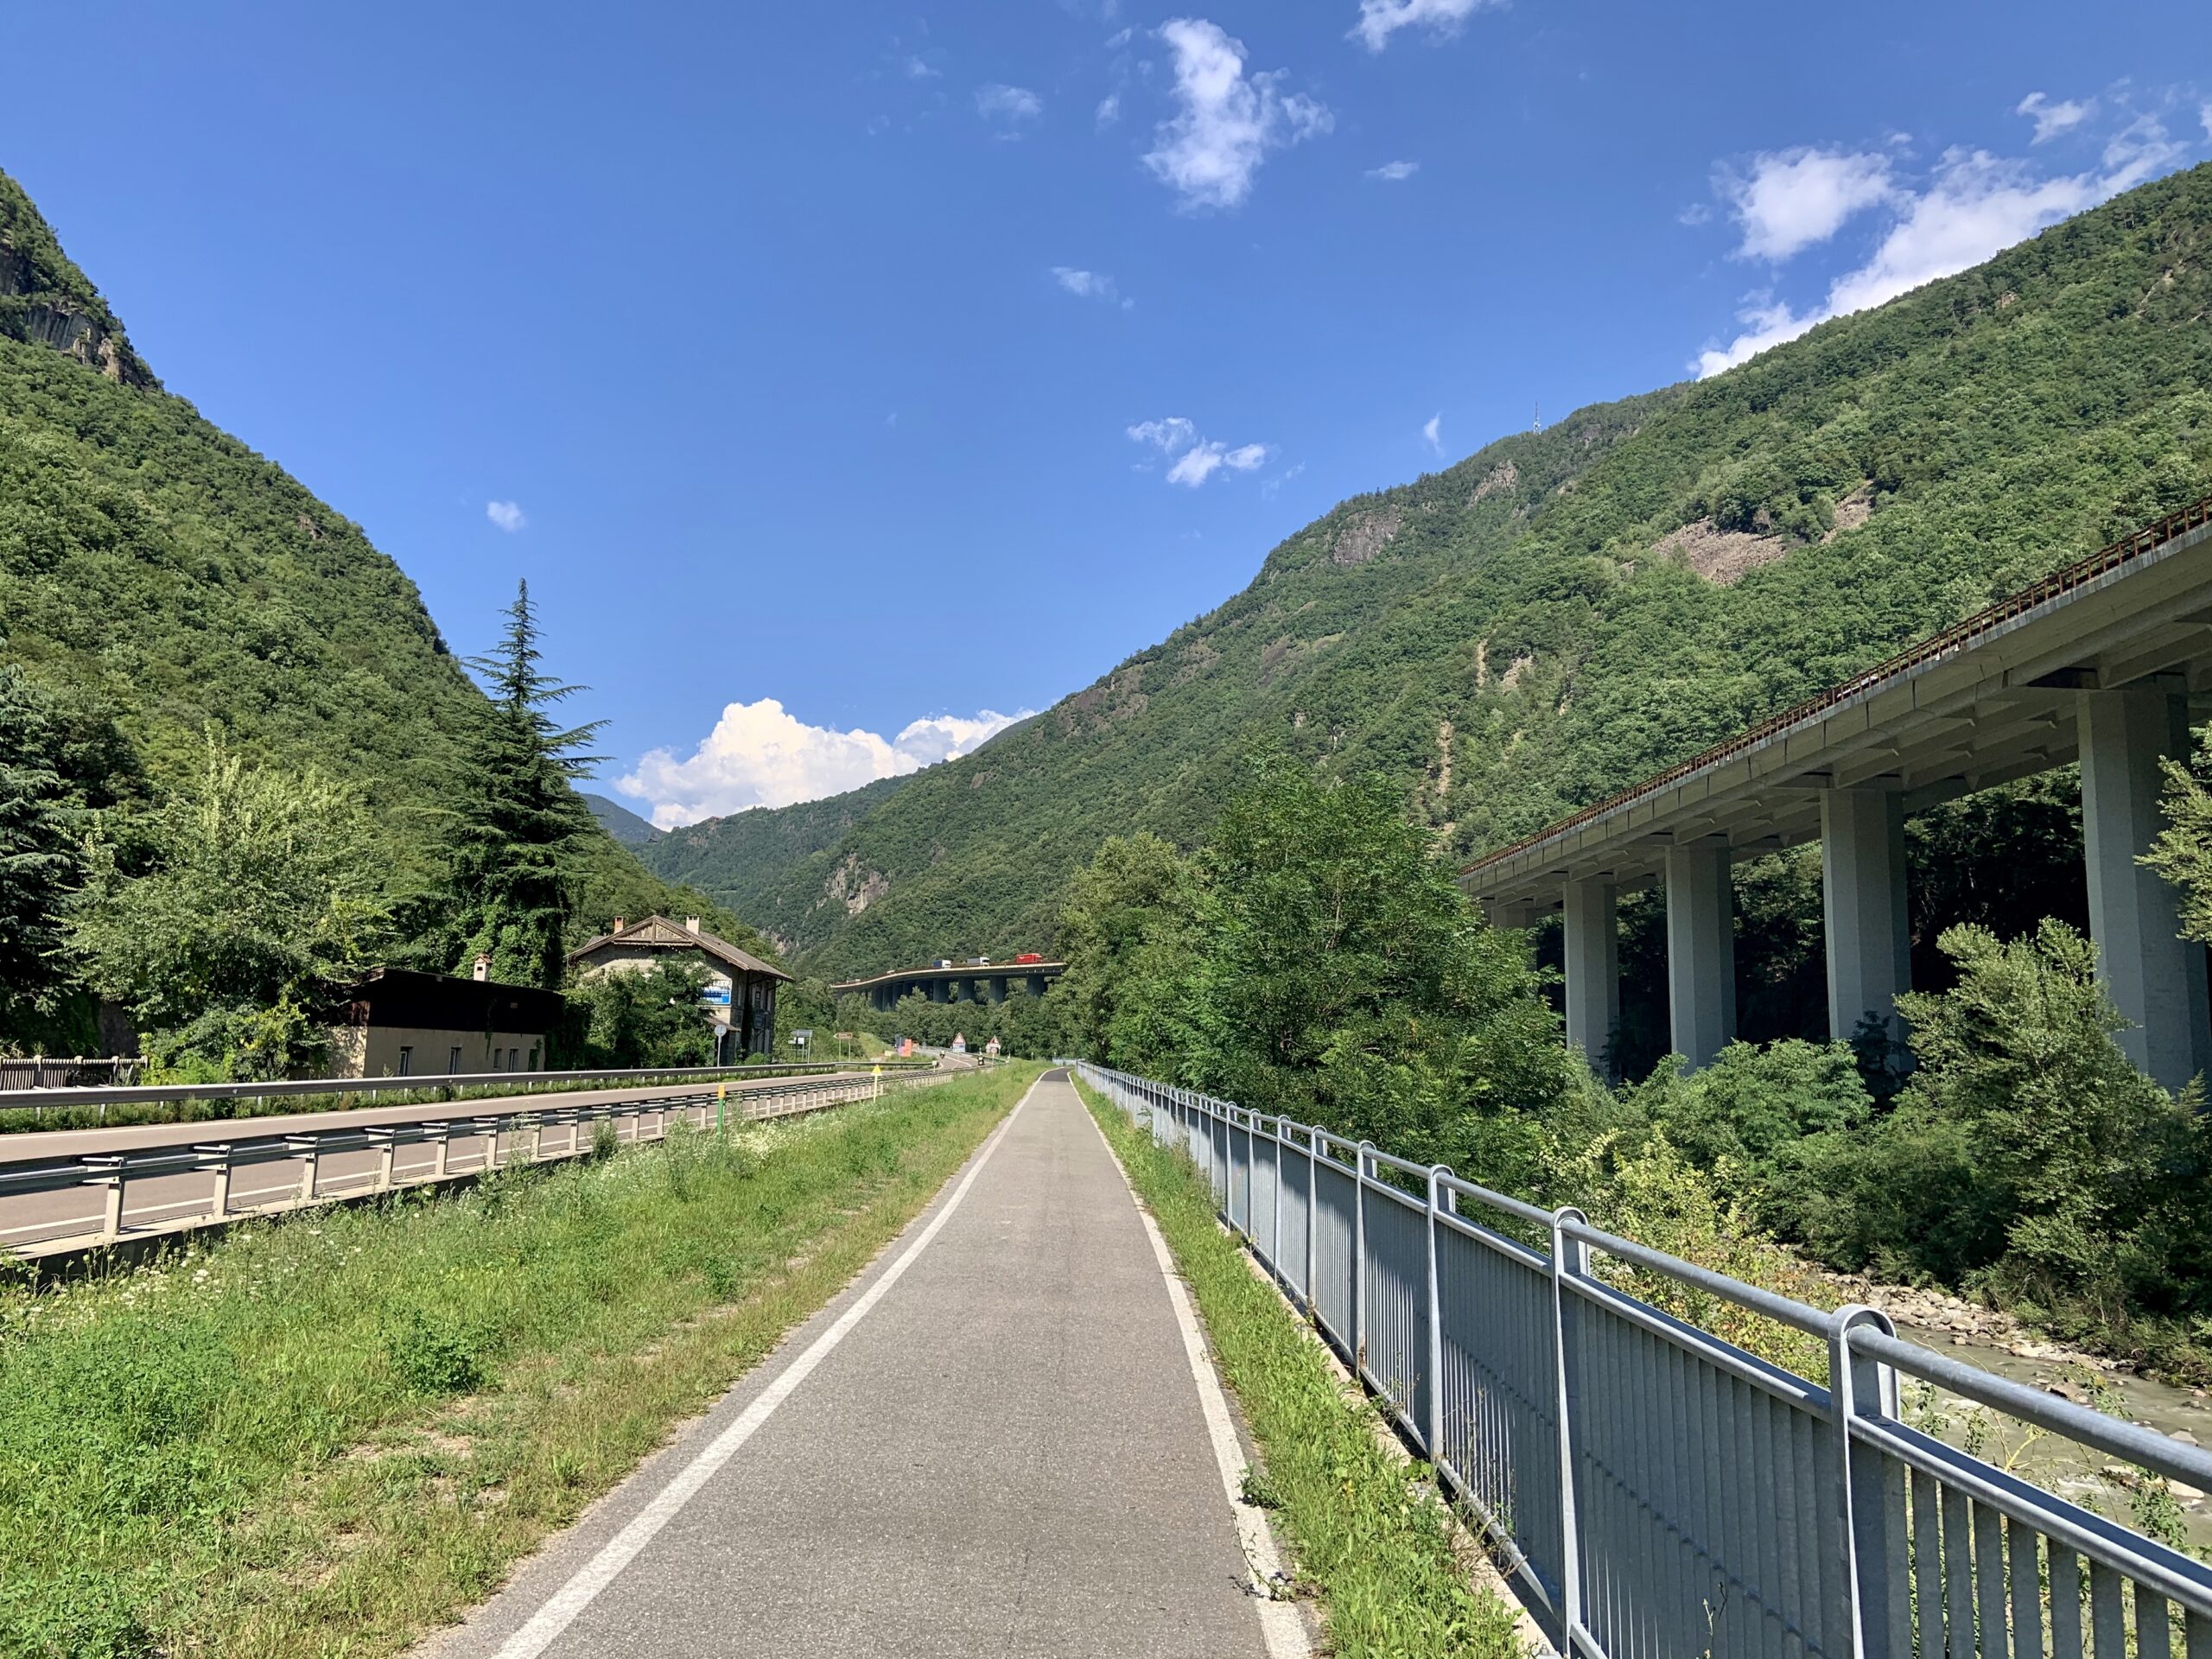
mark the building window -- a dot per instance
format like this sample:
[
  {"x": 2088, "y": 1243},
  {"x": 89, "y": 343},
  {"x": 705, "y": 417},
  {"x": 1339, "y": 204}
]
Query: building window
[
  {"x": 533, "y": 1057},
  {"x": 452, "y": 1060},
  {"x": 514, "y": 1059},
  {"x": 406, "y": 1061}
]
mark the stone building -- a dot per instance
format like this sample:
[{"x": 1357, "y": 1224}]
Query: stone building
[
  {"x": 395, "y": 1022},
  {"x": 740, "y": 1000}
]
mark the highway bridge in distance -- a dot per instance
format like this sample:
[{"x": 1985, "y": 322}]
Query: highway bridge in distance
[{"x": 975, "y": 979}]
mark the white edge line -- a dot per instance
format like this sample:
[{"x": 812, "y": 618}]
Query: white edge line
[
  {"x": 1282, "y": 1624},
  {"x": 562, "y": 1608}
]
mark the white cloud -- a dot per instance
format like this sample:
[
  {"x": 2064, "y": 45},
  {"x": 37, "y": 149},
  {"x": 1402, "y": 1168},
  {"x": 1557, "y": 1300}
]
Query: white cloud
[
  {"x": 1110, "y": 111},
  {"x": 1268, "y": 487},
  {"x": 1380, "y": 19},
  {"x": 1091, "y": 285},
  {"x": 2050, "y": 118},
  {"x": 1225, "y": 123},
  {"x": 1788, "y": 199},
  {"x": 1433, "y": 430},
  {"x": 758, "y": 755},
  {"x": 2205, "y": 116},
  {"x": 1974, "y": 205},
  {"x": 920, "y": 68},
  {"x": 1172, "y": 434},
  {"x": 507, "y": 515},
  {"x": 998, "y": 102},
  {"x": 1195, "y": 459},
  {"x": 1394, "y": 170}
]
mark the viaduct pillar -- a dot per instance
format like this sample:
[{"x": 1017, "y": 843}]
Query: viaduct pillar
[
  {"x": 1036, "y": 985},
  {"x": 2155, "y": 978},
  {"x": 1594, "y": 968},
  {"x": 1862, "y": 905},
  {"x": 1700, "y": 949},
  {"x": 998, "y": 988}
]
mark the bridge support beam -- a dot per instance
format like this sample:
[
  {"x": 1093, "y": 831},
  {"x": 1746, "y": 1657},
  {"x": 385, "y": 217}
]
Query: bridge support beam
[
  {"x": 1036, "y": 985},
  {"x": 1863, "y": 907},
  {"x": 1593, "y": 969},
  {"x": 938, "y": 991},
  {"x": 1700, "y": 949},
  {"x": 2156, "y": 978},
  {"x": 998, "y": 988}
]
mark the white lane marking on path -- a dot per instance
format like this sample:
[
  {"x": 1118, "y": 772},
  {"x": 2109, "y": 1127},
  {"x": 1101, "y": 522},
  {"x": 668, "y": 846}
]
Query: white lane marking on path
[
  {"x": 1281, "y": 1625},
  {"x": 562, "y": 1609}
]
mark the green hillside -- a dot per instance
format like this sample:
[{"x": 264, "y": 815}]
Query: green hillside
[
  {"x": 1567, "y": 610},
  {"x": 157, "y": 575}
]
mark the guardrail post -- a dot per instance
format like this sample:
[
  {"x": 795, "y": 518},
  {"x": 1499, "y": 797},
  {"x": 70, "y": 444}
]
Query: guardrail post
[
  {"x": 1436, "y": 1173},
  {"x": 441, "y": 1137},
  {"x": 309, "y": 1151},
  {"x": 386, "y": 1141},
  {"x": 215, "y": 1159},
  {"x": 1359, "y": 1258},
  {"x": 1570, "y": 1260},
  {"x": 107, "y": 1170},
  {"x": 1871, "y": 1491}
]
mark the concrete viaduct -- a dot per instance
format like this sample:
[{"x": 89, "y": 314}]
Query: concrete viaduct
[
  {"x": 968, "y": 982},
  {"x": 2107, "y": 661}
]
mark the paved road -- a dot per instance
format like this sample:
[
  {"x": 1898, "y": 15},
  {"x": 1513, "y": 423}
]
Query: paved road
[
  {"x": 29, "y": 1219},
  {"x": 1004, "y": 1453}
]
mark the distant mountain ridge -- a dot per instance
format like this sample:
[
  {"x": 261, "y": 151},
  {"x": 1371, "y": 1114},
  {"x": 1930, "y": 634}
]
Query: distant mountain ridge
[
  {"x": 619, "y": 822},
  {"x": 1567, "y": 610}
]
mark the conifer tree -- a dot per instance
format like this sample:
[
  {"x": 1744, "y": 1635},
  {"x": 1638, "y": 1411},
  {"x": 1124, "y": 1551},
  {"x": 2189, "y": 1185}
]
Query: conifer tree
[
  {"x": 38, "y": 855},
  {"x": 517, "y": 811}
]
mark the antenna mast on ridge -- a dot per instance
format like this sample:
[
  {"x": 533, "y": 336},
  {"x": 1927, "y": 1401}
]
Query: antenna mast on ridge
[{"x": 1537, "y": 424}]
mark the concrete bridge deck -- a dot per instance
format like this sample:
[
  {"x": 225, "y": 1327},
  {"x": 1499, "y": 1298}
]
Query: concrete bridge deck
[{"x": 996, "y": 1442}]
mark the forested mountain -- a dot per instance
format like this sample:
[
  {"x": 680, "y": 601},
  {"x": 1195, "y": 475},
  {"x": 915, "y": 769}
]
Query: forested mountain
[
  {"x": 619, "y": 822},
  {"x": 157, "y": 576},
  {"x": 1567, "y": 610}
]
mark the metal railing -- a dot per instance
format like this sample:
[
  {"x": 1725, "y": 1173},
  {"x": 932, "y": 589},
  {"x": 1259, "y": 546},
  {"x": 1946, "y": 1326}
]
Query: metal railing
[
  {"x": 87, "y": 1200},
  {"x": 1658, "y": 1492},
  {"x": 102, "y": 1096}
]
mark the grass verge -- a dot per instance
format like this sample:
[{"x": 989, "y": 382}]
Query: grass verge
[
  {"x": 1365, "y": 1533},
  {"x": 329, "y": 1436}
]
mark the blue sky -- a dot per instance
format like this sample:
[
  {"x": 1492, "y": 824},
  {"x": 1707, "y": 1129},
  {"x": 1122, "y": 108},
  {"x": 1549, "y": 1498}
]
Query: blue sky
[{"x": 840, "y": 374}]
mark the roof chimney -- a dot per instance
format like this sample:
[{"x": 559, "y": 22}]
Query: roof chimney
[
  {"x": 617, "y": 928},
  {"x": 690, "y": 924},
  {"x": 483, "y": 966}
]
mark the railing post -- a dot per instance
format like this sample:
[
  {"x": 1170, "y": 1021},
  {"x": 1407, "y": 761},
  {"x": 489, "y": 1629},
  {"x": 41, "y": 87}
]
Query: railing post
[
  {"x": 1313, "y": 1211},
  {"x": 309, "y": 1151},
  {"x": 1359, "y": 1259},
  {"x": 1570, "y": 1260},
  {"x": 1275, "y": 1245},
  {"x": 215, "y": 1159},
  {"x": 441, "y": 1143},
  {"x": 386, "y": 1142},
  {"x": 1436, "y": 1174},
  {"x": 107, "y": 1170},
  {"x": 1871, "y": 1491}
]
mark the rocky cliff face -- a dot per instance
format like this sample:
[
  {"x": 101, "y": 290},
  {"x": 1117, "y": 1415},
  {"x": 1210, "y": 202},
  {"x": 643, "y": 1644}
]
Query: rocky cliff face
[{"x": 45, "y": 300}]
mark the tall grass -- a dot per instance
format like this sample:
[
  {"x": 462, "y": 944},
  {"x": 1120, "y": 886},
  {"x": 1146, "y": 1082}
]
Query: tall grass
[
  {"x": 1379, "y": 1551},
  {"x": 326, "y": 1436}
]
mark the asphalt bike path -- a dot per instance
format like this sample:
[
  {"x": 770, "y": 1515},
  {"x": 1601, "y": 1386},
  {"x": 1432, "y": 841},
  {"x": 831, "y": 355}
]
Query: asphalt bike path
[{"x": 1003, "y": 1439}]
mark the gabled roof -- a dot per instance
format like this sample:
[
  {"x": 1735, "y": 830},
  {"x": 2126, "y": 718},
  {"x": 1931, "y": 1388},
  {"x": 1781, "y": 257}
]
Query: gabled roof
[{"x": 658, "y": 933}]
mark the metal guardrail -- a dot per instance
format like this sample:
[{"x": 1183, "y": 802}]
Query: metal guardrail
[
  {"x": 102, "y": 1095},
  {"x": 1660, "y": 1493},
  {"x": 181, "y": 1186}
]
